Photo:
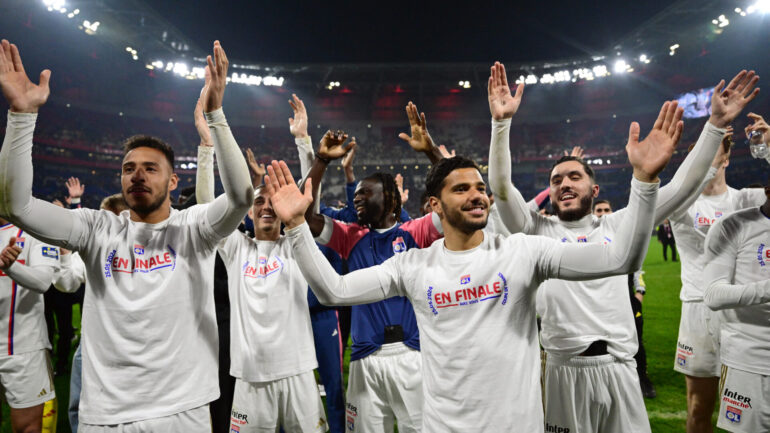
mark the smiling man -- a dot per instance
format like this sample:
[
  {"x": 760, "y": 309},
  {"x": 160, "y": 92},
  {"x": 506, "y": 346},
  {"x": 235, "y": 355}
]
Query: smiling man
[
  {"x": 588, "y": 330},
  {"x": 149, "y": 330}
]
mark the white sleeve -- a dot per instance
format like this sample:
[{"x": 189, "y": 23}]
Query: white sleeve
[
  {"x": 689, "y": 176},
  {"x": 515, "y": 214},
  {"x": 625, "y": 254},
  {"x": 363, "y": 286},
  {"x": 71, "y": 274},
  {"x": 306, "y": 155},
  {"x": 35, "y": 278},
  {"x": 204, "y": 175},
  {"x": 721, "y": 253},
  {"x": 226, "y": 212},
  {"x": 682, "y": 208},
  {"x": 45, "y": 221}
]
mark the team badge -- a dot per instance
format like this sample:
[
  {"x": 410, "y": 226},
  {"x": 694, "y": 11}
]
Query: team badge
[
  {"x": 399, "y": 246},
  {"x": 681, "y": 360},
  {"x": 733, "y": 414},
  {"x": 20, "y": 242},
  {"x": 465, "y": 279},
  {"x": 50, "y": 252},
  {"x": 138, "y": 249},
  {"x": 582, "y": 239},
  {"x": 717, "y": 214},
  {"x": 235, "y": 429}
]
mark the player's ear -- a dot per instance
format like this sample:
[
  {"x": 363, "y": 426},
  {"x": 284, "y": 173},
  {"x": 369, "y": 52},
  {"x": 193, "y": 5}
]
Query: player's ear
[
  {"x": 595, "y": 191},
  {"x": 173, "y": 182},
  {"x": 435, "y": 206}
]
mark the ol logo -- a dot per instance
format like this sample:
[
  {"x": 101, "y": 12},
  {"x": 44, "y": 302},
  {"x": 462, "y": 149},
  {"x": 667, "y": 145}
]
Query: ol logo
[
  {"x": 681, "y": 360},
  {"x": 582, "y": 239},
  {"x": 465, "y": 279},
  {"x": 399, "y": 246},
  {"x": 138, "y": 249},
  {"x": 733, "y": 414}
]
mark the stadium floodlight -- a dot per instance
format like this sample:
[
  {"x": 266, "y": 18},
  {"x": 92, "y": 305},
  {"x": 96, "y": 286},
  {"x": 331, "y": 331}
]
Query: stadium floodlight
[
  {"x": 672, "y": 49},
  {"x": 158, "y": 64},
  {"x": 644, "y": 59},
  {"x": 600, "y": 71},
  {"x": 763, "y": 6},
  {"x": 531, "y": 79},
  {"x": 620, "y": 66},
  {"x": 547, "y": 79},
  {"x": 54, "y": 4}
]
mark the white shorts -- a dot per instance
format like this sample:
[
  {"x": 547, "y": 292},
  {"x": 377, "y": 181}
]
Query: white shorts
[
  {"x": 26, "y": 379},
  {"x": 587, "y": 394},
  {"x": 196, "y": 420},
  {"x": 383, "y": 387},
  {"x": 292, "y": 402},
  {"x": 744, "y": 401},
  {"x": 697, "y": 347}
]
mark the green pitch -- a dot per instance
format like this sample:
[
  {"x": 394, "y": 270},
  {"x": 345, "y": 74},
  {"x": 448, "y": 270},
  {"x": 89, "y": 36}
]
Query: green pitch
[{"x": 661, "y": 324}]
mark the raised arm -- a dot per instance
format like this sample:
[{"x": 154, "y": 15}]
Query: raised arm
[
  {"x": 204, "y": 172},
  {"x": 726, "y": 105},
  {"x": 330, "y": 148},
  {"x": 513, "y": 209},
  {"x": 420, "y": 140},
  {"x": 226, "y": 211},
  {"x": 348, "y": 212},
  {"x": 360, "y": 287},
  {"x": 43, "y": 220},
  {"x": 72, "y": 273},
  {"x": 626, "y": 252},
  {"x": 721, "y": 253}
]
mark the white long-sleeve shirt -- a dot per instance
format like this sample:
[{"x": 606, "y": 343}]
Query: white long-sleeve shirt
[
  {"x": 22, "y": 322},
  {"x": 150, "y": 338},
  {"x": 576, "y": 313},
  {"x": 475, "y": 311},
  {"x": 692, "y": 224},
  {"x": 72, "y": 273},
  {"x": 737, "y": 274}
]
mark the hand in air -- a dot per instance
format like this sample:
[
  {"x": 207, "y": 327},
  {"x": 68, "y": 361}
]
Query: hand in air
[
  {"x": 258, "y": 170},
  {"x": 420, "y": 140},
  {"x": 23, "y": 95},
  {"x": 75, "y": 188},
  {"x": 728, "y": 102},
  {"x": 332, "y": 145},
  {"x": 214, "y": 92},
  {"x": 298, "y": 123},
  {"x": 502, "y": 105},
  {"x": 650, "y": 156},
  {"x": 288, "y": 202}
]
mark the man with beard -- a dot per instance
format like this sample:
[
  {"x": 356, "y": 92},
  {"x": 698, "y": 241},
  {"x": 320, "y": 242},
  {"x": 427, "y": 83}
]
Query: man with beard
[
  {"x": 149, "y": 331},
  {"x": 473, "y": 292},
  {"x": 385, "y": 377},
  {"x": 588, "y": 331}
]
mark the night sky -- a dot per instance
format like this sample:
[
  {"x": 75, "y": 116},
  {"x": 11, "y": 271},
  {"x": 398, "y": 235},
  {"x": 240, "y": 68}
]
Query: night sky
[{"x": 393, "y": 32}]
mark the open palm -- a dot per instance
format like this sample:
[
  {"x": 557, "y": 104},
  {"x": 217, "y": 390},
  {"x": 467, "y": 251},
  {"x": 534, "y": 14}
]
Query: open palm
[
  {"x": 331, "y": 145},
  {"x": 288, "y": 202},
  {"x": 650, "y": 156},
  {"x": 728, "y": 102},
  {"x": 502, "y": 105},
  {"x": 23, "y": 95},
  {"x": 420, "y": 140}
]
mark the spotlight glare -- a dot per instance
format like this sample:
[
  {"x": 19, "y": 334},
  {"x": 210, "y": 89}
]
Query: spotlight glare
[{"x": 620, "y": 66}]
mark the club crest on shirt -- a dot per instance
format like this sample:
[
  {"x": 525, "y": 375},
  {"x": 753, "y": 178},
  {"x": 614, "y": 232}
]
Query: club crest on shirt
[
  {"x": 399, "y": 246},
  {"x": 264, "y": 267},
  {"x": 51, "y": 252},
  {"x": 465, "y": 279},
  {"x": 733, "y": 414},
  {"x": 138, "y": 249},
  {"x": 20, "y": 242},
  {"x": 582, "y": 239},
  {"x": 718, "y": 214}
]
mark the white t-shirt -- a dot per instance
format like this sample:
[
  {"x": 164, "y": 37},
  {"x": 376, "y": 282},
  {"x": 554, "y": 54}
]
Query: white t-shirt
[
  {"x": 22, "y": 320},
  {"x": 574, "y": 314},
  {"x": 270, "y": 332},
  {"x": 691, "y": 227},
  {"x": 738, "y": 248},
  {"x": 148, "y": 316}
]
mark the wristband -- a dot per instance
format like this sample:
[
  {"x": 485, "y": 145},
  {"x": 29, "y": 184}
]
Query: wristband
[{"x": 322, "y": 159}]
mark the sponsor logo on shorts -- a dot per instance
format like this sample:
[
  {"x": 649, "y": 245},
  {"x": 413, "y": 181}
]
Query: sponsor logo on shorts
[
  {"x": 733, "y": 414},
  {"x": 468, "y": 295},
  {"x": 553, "y": 428},
  {"x": 42, "y": 392},
  {"x": 683, "y": 351},
  {"x": 736, "y": 399},
  {"x": 265, "y": 266},
  {"x": 238, "y": 417},
  {"x": 351, "y": 413},
  {"x": 399, "y": 246},
  {"x": 51, "y": 252},
  {"x": 681, "y": 360},
  {"x": 235, "y": 429}
]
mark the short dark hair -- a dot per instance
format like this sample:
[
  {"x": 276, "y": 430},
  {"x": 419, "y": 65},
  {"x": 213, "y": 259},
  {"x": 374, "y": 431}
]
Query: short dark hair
[
  {"x": 136, "y": 141},
  {"x": 586, "y": 167},
  {"x": 597, "y": 202},
  {"x": 391, "y": 197},
  {"x": 438, "y": 173}
]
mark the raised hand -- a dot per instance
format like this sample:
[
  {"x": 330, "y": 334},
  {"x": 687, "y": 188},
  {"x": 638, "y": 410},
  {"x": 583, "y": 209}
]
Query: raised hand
[
  {"x": 445, "y": 152},
  {"x": 577, "y": 152},
  {"x": 347, "y": 161},
  {"x": 9, "y": 254},
  {"x": 75, "y": 188},
  {"x": 728, "y": 102},
  {"x": 257, "y": 170},
  {"x": 420, "y": 140},
  {"x": 214, "y": 92},
  {"x": 202, "y": 126},
  {"x": 650, "y": 156},
  {"x": 331, "y": 145},
  {"x": 288, "y": 202},
  {"x": 404, "y": 193},
  {"x": 758, "y": 124},
  {"x": 298, "y": 123},
  {"x": 502, "y": 105},
  {"x": 22, "y": 95}
]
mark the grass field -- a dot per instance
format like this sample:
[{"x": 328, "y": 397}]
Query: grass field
[{"x": 661, "y": 307}]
